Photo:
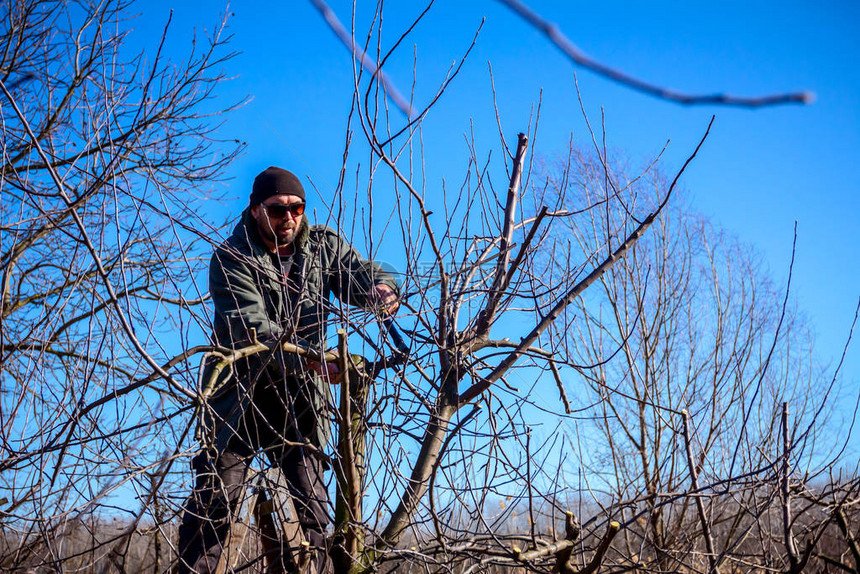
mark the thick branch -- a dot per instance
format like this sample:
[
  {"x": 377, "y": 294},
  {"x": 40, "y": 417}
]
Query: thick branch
[
  {"x": 790, "y": 547},
  {"x": 501, "y": 273},
  {"x": 431, "y": 445}
]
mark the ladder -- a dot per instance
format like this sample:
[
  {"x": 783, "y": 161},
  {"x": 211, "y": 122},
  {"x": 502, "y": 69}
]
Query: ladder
[{"x": 266, "y": 502}]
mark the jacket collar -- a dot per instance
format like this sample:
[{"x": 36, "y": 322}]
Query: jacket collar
[{"x": 246, "y": 233}]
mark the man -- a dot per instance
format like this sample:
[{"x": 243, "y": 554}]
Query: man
[{"x": 272, "y": 279}]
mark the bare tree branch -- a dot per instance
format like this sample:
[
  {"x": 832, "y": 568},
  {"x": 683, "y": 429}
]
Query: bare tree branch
[{"x": 569, "y": 49}]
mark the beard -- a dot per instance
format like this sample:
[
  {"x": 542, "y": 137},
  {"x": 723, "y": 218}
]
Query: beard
[
  {"x": 281, "y": 235},
  {"x": 285, "y": 234}
]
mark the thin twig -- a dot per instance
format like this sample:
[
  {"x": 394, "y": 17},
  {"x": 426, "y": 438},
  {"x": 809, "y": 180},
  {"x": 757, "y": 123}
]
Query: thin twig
[
  {"x": 563, "y": 43},
  {"x": 366, "y": 62}
]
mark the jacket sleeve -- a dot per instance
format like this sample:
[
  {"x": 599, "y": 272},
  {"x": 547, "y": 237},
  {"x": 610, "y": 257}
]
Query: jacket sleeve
[
  {"x": 355, "y": 277},
  {"x": 238, "y": 299}
]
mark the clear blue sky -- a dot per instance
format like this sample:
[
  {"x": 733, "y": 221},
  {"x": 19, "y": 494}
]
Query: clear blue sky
[{"x": 759, "y": 171}]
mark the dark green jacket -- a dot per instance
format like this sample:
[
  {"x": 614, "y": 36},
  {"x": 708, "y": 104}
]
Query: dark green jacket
[{"x": 249, "y": 290}]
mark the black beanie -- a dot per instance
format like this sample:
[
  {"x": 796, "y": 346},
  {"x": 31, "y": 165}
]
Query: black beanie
[{"x": 275, "y": 181}]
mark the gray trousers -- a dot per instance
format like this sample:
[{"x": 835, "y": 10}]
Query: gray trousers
[{"x": 277, "y": 409}]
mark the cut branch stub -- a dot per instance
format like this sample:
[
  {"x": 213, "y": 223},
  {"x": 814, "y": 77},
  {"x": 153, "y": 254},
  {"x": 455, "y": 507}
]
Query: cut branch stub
[{"x": 501, "y": 275}]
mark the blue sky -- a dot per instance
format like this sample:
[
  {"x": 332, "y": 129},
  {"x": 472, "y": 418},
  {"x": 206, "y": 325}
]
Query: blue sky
[{"x": 759, "y": 172}]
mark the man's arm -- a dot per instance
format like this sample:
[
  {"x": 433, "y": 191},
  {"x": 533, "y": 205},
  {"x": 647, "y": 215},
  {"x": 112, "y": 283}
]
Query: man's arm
[
  {"x": 361, "y": 282},
  {"x": 238, "y": 300}
]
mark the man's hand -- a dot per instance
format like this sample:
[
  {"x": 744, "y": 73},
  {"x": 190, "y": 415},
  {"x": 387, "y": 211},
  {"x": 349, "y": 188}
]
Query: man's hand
[
  {"x": 328, "y": 370},
  {"x": 386, "y": 298}
]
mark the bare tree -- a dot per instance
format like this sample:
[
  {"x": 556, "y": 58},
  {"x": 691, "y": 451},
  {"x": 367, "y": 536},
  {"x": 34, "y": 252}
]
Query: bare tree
[
  {"x": 701, "y": 422},
  {"x": 692, "y": 360},
  {"x": 107, "y": 158}
]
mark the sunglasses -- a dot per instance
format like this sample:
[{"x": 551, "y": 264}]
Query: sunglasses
[{"x": 280, "y": 211}]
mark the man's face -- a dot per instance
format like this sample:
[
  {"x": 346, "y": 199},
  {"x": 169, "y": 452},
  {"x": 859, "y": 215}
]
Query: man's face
[{"x": 278, "y": 218}]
